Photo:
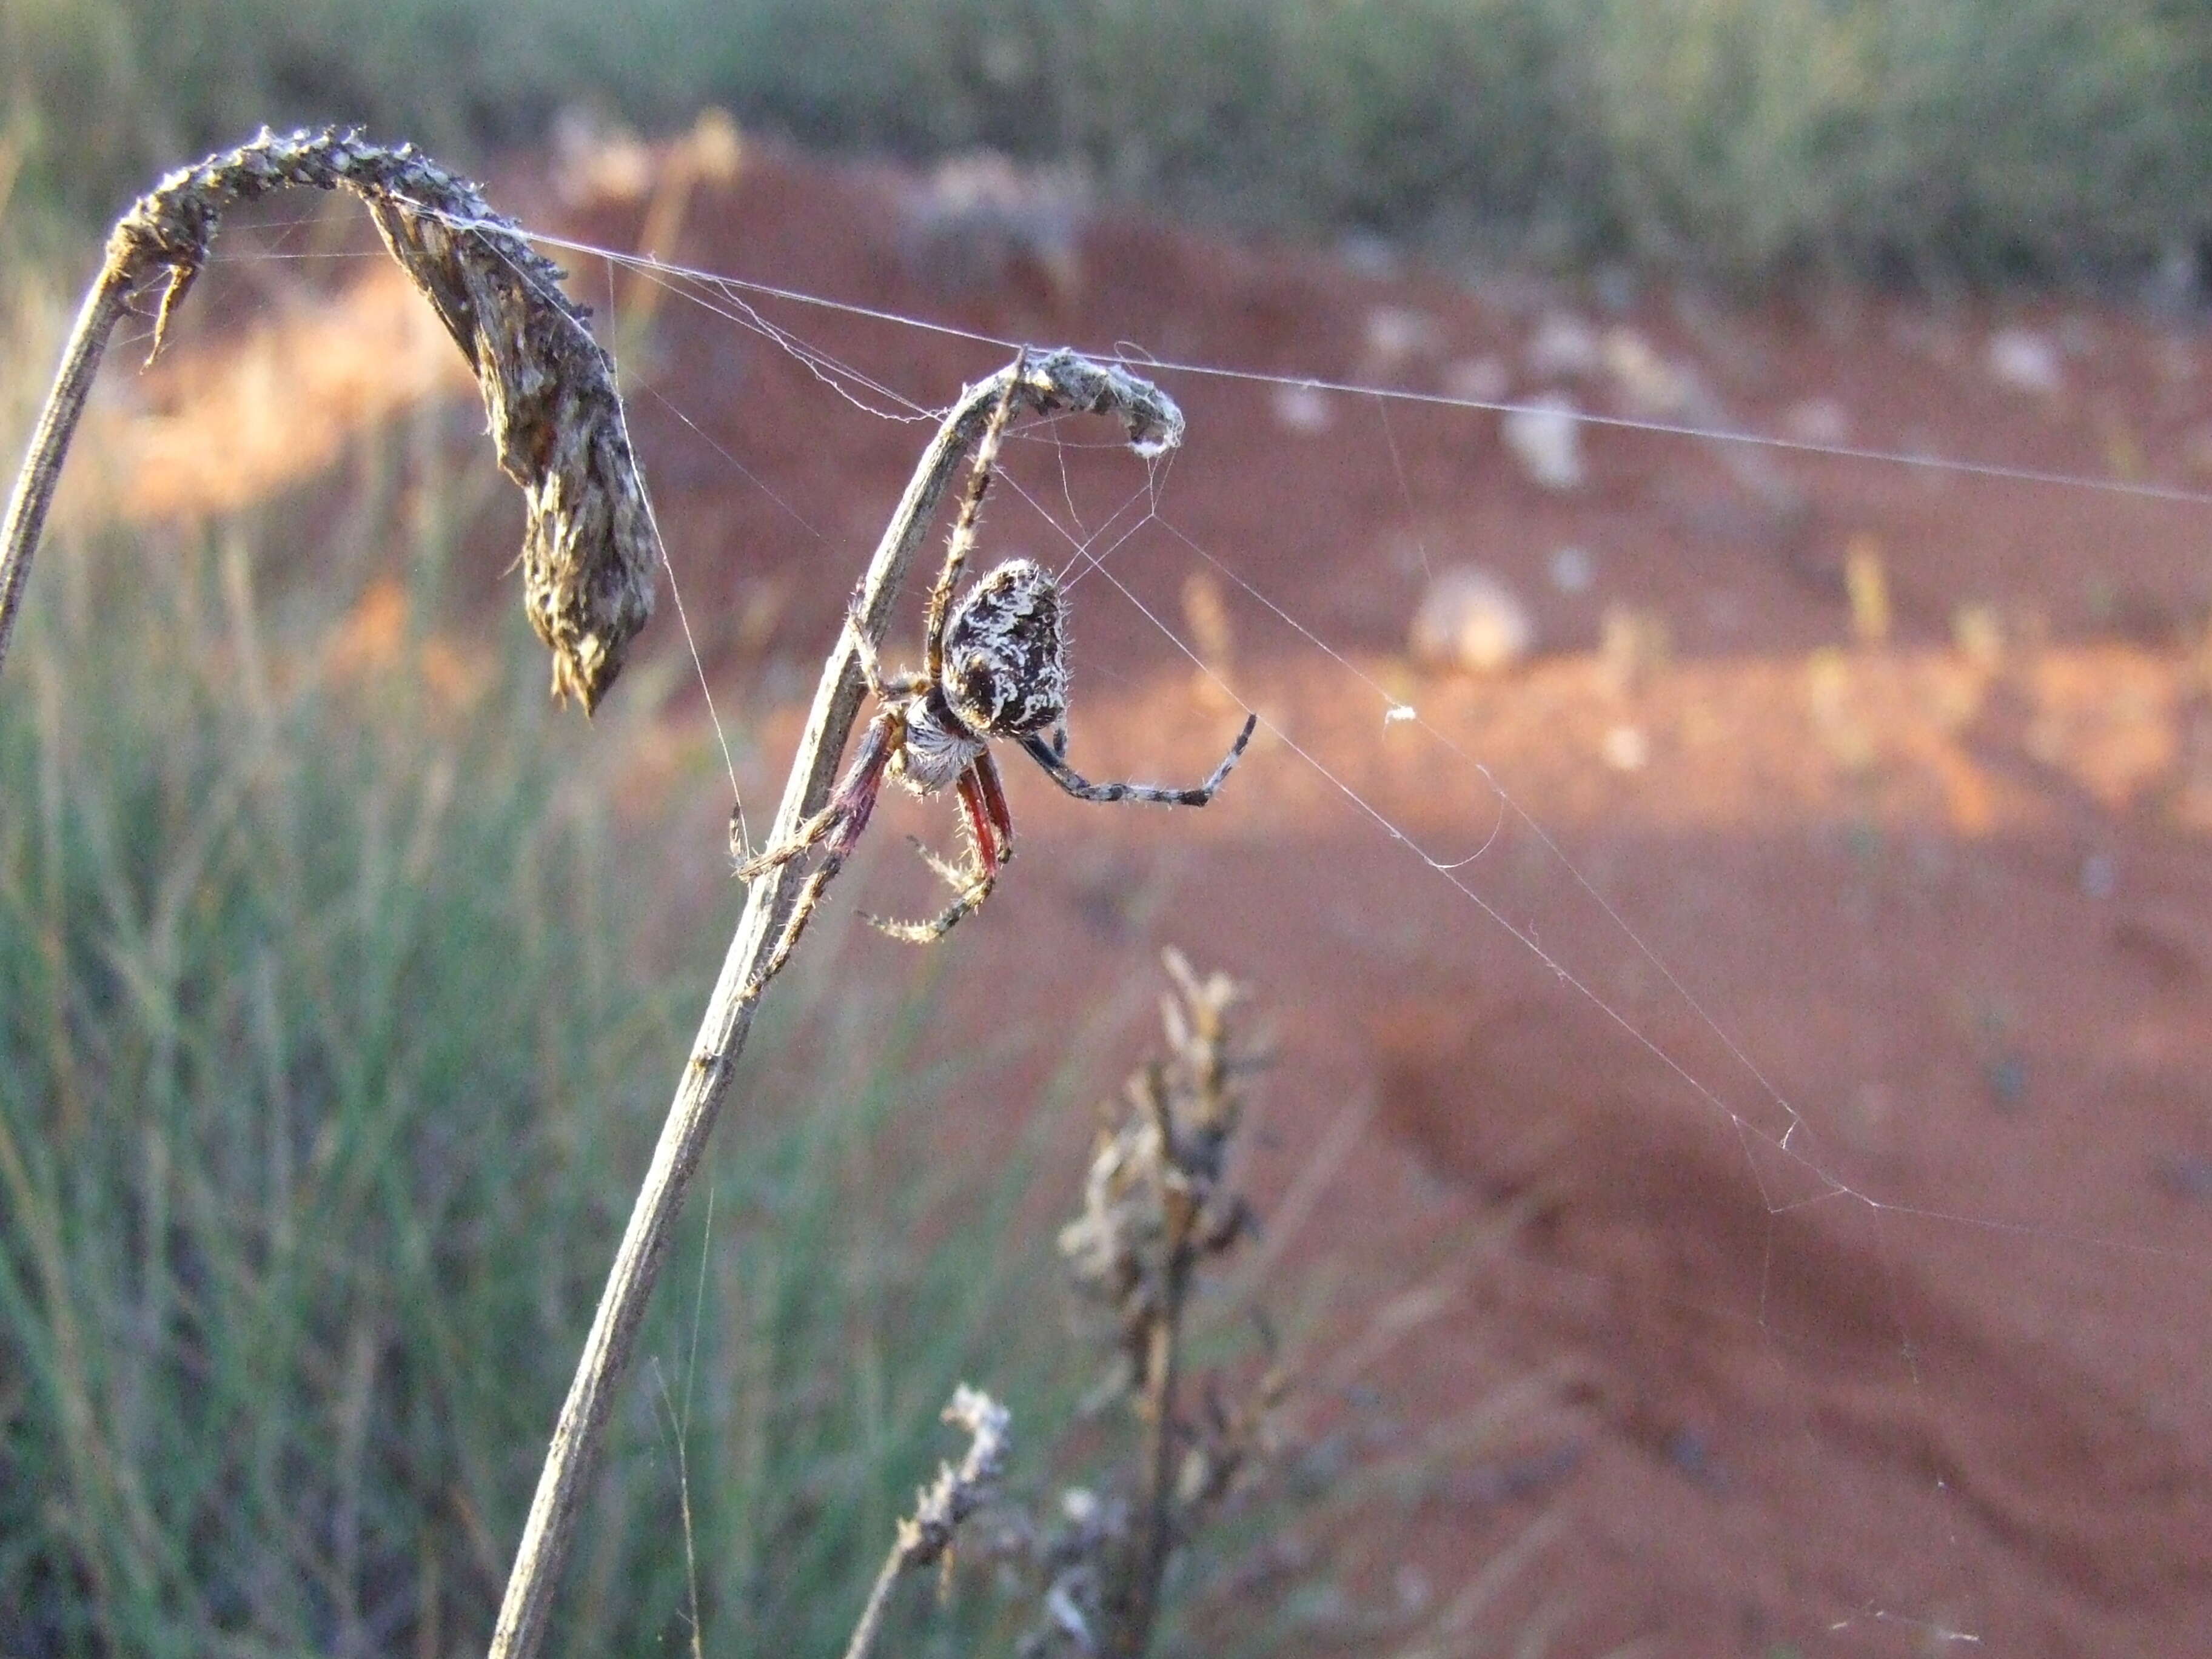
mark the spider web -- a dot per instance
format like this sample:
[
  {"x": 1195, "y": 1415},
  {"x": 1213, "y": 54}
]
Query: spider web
[{"x": 1587, "y": 914}]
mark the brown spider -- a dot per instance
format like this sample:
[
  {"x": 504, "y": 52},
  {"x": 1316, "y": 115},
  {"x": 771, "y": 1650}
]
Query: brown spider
[{"x": 995, "y": 666}]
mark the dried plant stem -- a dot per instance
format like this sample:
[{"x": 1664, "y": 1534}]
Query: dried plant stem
[
  {"x": 870, "y": 1621},
  {"x": 33, "y": 493},
  {"x": 1131, "y": 1633},
  {"x": 1047, "y": 382},
  {"x": 940, "y": 1507}
]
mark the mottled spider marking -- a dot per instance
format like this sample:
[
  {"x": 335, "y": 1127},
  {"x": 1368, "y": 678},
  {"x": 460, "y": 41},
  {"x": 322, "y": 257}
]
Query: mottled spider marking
[{"x": 1005, "y": 652}]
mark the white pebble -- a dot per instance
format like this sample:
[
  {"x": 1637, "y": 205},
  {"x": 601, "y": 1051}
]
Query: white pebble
[
  {"x": 1483, "y": 379},
  {"x": 1545, "y": 436},
  {"x": 1469, "y": 619},
  {"x": 1627, "y": 749},
  {"x": 2026, "y": 361},
  {"x": 1563, "y": 346},
  {"x": 1395, "y": 334},
  {"x": 1571, "y": 570},
  {"x": 1817, "y": 421},
  {"x": 1303, "y": 409}
]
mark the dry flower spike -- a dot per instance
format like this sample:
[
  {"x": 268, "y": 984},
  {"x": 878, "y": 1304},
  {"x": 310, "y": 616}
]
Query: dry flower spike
[
  {"x": 1157, "y": 1203},
  {"x": 925, "y": 1536},
  {"x": 556, "y": 421}
]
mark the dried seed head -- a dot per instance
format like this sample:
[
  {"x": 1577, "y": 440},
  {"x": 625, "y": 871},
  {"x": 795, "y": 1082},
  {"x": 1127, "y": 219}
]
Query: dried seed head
[{"x": 549, "y": 387}]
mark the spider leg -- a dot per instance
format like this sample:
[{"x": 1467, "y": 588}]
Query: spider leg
[
  {"x": 1047, "y": 756},
  {"x": 997, "y": 816},
  {"x": 802, "y": 840},
  {"x": 872, "y": 667},
  {"x": 808, "y": 896},
  {"x": 949, "y": 873},
  {"x": 836, "y": 829},
  {"x": 963, "y": 527},
  {"x": 990, "y": 838},
  {"x": 840, "y": 821},
  {"x": 752, "y": 864}
]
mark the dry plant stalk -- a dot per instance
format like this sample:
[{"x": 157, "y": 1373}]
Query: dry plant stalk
[
  {"x": 926, "y": 1536},
  {"x": 1157, "y": 1205},
  {"x": 1046, "y": 383},
  {"x": 549, "y": 387}
]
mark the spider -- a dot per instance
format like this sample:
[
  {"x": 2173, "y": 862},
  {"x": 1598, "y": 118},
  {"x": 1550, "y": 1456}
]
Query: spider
[{"x": 995, "y": 666}]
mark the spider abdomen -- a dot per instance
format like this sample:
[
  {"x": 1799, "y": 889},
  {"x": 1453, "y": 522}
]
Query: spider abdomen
[{"x": 1005, "y": 652}]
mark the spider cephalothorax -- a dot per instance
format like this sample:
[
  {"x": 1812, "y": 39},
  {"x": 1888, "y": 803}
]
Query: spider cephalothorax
[{"x": 994, "y": 665}]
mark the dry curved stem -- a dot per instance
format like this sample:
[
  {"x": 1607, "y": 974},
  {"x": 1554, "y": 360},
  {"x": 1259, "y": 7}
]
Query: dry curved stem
[
  {"x": 1048, "y": 383},
  {"x": 549, "y": 387},
  {"x": 925, "y": 1536}
]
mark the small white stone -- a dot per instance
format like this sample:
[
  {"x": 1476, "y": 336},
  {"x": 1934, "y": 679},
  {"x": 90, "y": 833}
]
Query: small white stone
[
  {"x": 1303, "y": 409},
  {"x": 1546, "y": 437},
  {"x": 1469, "y": 619},
  {"x": 1571, "y": 570},
  {"x": 1395, "y": 333},
  {"x": 1817, "y": 421},
  {"x": 1563, "y": 347},
  {"x": 1484, "y": 379},
  {"x": 1627, "y": 749},
  {"x": 1652, "y": 387},
  {"x": 2026, "y": 361}
]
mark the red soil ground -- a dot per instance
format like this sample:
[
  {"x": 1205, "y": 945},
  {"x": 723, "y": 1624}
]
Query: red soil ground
[{"x": 1771, "y": 1206}]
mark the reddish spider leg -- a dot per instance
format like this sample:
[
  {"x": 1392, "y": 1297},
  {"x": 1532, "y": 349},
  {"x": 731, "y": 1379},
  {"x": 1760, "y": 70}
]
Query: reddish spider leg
[
  {"x": 836, "y": 829},
  {"x": 990, "y": 831},
  {"x": 992, "y": 798}
]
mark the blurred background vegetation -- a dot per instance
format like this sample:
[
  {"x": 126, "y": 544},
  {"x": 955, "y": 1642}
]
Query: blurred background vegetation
[{"x": 1921, "y": 140}]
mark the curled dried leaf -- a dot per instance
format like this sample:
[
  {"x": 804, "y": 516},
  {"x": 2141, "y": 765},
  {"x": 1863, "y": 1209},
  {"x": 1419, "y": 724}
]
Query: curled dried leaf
[{"x": 549, "y": 387}]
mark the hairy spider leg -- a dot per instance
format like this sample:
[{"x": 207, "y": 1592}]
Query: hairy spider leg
[
  {"x": 991, "y": 842},
  {"x": 881, "y": 687},
  {"x": 996, "y": 813},
  {"x": 963, "y": 527},
  {"x": 840, "y": 821},
  {"x": 986, "y": 849},
  {"x": 1047, "y": 757},
  {"x": 836, "y": 829},
  {"x": 872, "y": 674}
]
